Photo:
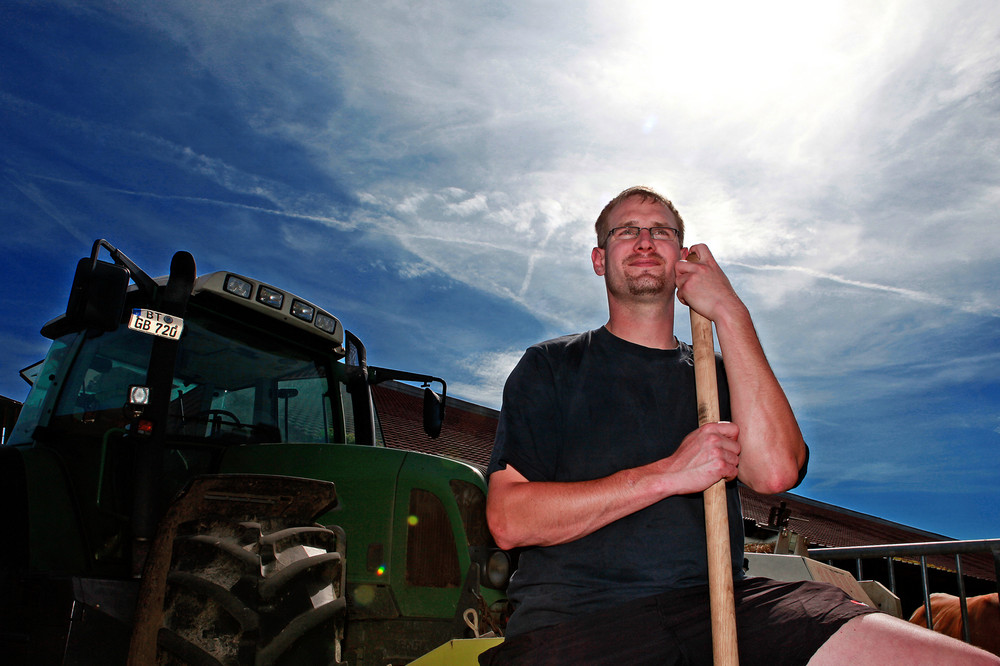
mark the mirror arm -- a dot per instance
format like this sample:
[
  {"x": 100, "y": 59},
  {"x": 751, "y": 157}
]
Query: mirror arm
[{"x": 139, "y": 276}]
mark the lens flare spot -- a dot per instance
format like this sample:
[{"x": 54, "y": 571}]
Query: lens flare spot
[
  {"x": 412, "y": 521},
  {"x": 380, "y": 571},
  {"x": 364, "y": 595}
]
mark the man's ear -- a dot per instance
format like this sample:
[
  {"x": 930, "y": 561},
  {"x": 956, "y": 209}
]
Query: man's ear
[{"x": 597, "y": 257}]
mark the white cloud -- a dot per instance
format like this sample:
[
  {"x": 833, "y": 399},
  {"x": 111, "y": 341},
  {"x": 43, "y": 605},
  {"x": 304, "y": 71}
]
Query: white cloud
[
  {"x": 840, "y": 158},
  {"x": 410, "y": 270},
  {"x": 490, "y": 371},
  {"x": 528, "y": 124}
]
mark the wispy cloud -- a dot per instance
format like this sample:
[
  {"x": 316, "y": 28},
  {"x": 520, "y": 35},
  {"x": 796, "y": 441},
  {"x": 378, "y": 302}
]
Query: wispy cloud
[
  {"x": 489, "y": 371},
  {"x": 287, "y": 213},
  {"x": 38, "y": 198},
  {"x": 434, "y": 170}
]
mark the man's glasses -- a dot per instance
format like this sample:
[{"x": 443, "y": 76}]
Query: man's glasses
[{"x": 631, "y": 233}]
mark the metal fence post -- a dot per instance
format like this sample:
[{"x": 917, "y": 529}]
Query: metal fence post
[{"x": 925, "y": 579}]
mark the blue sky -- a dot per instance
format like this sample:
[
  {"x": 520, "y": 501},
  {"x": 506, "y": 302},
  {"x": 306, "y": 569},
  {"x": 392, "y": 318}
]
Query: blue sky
[{"x": 430, "y": 172}]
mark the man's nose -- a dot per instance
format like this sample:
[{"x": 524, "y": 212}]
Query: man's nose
[{"x": 644, "y": 239}]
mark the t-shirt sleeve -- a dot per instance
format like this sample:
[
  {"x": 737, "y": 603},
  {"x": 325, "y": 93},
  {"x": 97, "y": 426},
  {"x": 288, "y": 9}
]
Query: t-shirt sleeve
[
  {"x": 803, "y": 469},
  {"x": 525, "y": 437},
  {"x": 725, "y": 410}
]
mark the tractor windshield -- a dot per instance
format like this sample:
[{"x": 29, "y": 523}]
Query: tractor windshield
[{"x": 231, "y": 385}]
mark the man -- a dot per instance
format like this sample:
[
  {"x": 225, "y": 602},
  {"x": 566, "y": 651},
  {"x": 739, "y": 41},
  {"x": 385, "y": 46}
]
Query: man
[{"x": 599, "y": 464}]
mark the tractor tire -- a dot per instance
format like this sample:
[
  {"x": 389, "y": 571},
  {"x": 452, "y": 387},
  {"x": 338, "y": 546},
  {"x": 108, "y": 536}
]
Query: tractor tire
[{"x": 253, "y": 593}]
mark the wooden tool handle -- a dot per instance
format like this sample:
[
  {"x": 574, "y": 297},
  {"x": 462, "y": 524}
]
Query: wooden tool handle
[{"x": 720, "y": 572}]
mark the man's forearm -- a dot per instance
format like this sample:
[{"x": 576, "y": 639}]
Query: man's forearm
[
  {"x": 772, "y": 446},
  {"x": 546, "y": 513}
]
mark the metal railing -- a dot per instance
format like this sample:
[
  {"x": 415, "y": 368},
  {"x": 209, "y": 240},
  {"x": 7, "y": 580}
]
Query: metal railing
[{"x": 921, "y": 550}]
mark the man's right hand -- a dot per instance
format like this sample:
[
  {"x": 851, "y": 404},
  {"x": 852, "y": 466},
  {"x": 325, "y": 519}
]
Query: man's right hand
[{"x": 705, "y": 456}]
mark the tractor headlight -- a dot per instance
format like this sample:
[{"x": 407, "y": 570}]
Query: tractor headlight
[
  {"x": 138, "y": 396},
  {"x": 497, "y": 570}
]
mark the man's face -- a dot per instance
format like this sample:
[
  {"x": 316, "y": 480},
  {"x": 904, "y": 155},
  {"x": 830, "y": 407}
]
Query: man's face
[{"x": 639, "y": 267}]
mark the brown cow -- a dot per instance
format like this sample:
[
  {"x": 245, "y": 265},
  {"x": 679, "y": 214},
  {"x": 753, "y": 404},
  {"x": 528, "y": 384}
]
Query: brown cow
[{"x": 946, "y": 616}]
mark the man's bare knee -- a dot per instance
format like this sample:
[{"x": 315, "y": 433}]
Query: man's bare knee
[{"x": 882, "y": 639}]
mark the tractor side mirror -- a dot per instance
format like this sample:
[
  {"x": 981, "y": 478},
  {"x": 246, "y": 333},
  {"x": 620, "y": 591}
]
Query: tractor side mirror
[
  {"x": 97, "y": 297},
  {"x": 433, "y": 402},
  {"x": 433, "y": 413}
]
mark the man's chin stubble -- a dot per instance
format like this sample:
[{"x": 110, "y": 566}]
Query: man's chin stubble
[{"x": 645, "y": 286}]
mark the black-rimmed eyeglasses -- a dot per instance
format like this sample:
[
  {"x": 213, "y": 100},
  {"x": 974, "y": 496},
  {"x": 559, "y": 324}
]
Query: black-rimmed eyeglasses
[{"x": 632, "y": 232}]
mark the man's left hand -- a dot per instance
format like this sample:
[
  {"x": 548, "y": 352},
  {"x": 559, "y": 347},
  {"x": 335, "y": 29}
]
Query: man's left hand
[{"x": 703, "y": 286}]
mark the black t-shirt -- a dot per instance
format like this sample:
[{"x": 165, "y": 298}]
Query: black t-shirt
[{"x": 585, "y": 406}]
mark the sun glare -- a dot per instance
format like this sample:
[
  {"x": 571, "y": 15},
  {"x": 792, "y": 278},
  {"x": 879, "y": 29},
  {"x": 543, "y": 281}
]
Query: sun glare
[{"x": 700, "y": 54}]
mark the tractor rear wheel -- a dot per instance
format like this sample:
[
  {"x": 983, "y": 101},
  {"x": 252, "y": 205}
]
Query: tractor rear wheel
[{"x": 253, "y": 593}]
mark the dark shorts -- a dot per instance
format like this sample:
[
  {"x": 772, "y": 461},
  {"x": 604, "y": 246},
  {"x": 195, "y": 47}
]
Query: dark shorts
[{"x": 776, "y": 623}]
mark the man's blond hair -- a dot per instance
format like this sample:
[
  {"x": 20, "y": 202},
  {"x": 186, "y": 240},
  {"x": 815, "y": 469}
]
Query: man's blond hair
[{"x": 647, "y": 194}]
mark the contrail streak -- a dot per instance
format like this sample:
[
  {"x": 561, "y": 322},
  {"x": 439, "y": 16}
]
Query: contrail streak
[
  {"x": 909, "y": 294},
  {"x": 200, "y": 200}
]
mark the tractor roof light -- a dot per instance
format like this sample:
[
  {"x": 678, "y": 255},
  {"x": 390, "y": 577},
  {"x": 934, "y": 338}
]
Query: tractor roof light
[
  {"x": 325, "y": 322},
  {"x": 275, "y": 304},
  {"x": 270, "y": 297},
  {"x": 302, "y": 310},
  {"x": 237, "y": 286}
]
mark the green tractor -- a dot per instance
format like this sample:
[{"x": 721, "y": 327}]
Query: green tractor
[{"x": 198, "y": 476}]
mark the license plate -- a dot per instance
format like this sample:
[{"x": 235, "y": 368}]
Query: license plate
[{"x": 156, "y": 323}]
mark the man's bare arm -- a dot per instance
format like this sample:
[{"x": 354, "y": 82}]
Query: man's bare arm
[
  {"x": 772, "y": 448},
  {"x": 545, "y": 513}
]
